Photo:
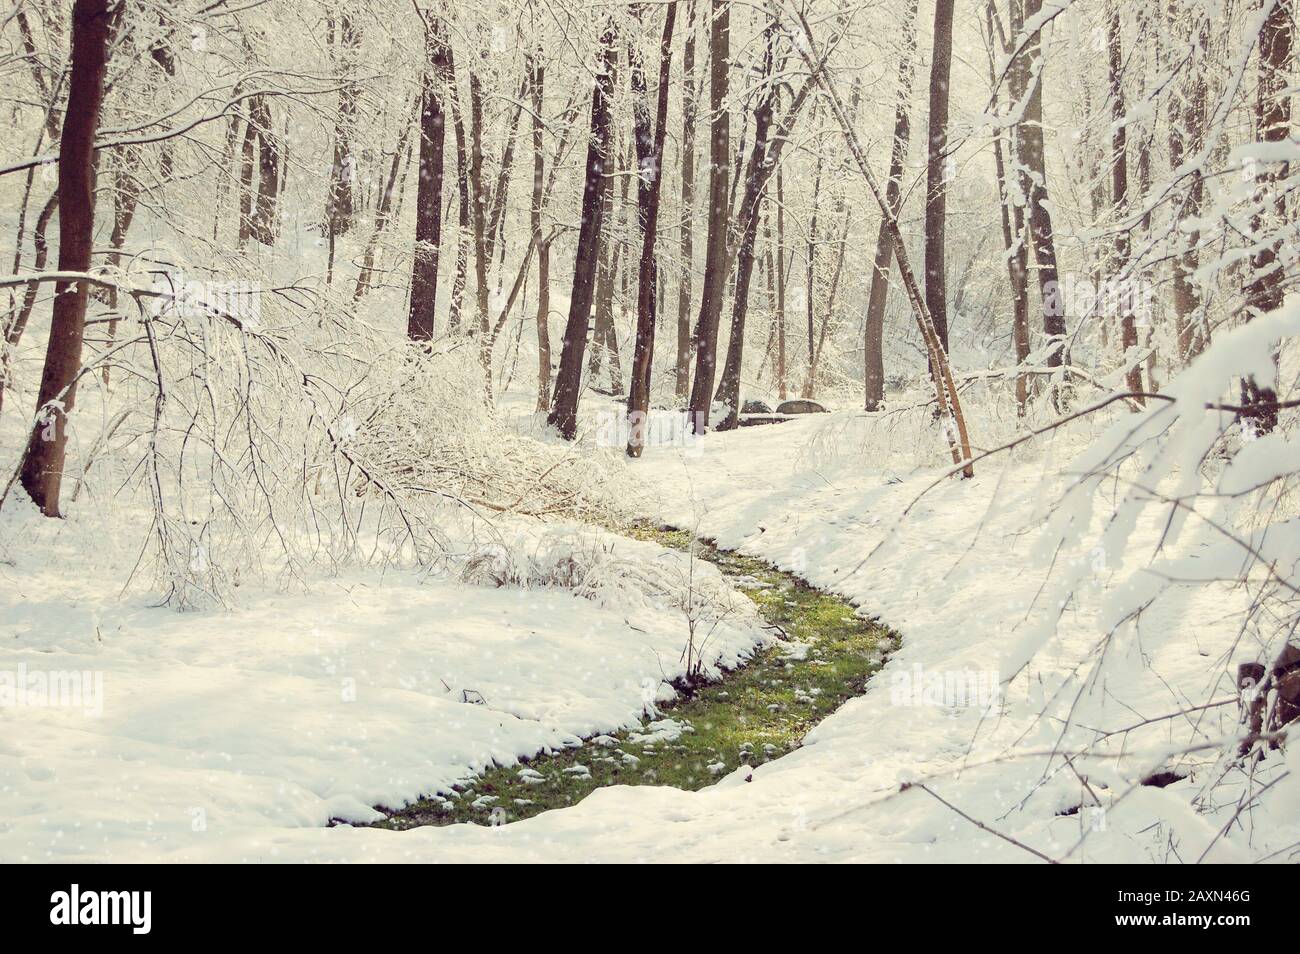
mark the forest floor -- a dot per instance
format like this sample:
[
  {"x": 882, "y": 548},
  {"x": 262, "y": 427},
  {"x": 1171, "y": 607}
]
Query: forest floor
[{"x": 238, "y": 735}]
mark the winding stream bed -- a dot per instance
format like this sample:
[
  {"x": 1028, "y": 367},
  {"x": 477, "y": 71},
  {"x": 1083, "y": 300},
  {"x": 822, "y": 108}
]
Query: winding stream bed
[{"x": 753, "y": 714}]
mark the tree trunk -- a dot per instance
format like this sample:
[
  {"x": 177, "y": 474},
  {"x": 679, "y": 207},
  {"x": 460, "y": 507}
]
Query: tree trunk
[
  {"x": 384, "y": 208},
  {"x": 536, "y": 84},
  {"x": 874, "y": 331},
  {"x": 715, "y": 260},
  {"x": 1187, "y": 136},
  {"x": 568, "y": 382},
  {"x": 1119, "y": 195},
  {"x": 1027, "y": 80},
  {"x": 936, "y": 170},
  {"x": 341, "y": 202},
  {"x": 247, "y": 158},
  {"x": 1272, "y": 125},
  {"x": 1013, "y": 230},
  {"x": 756, "y": 176},
  {"x": 265, "y": 224},
  {"x": 690, "y": 101},
  {"x": 42, "y": 469},
  {"x": 782, "y": 391},
  {"x": 428, "y": 195},
  {"x": 603, "y": 308},
  {"x": 463, "y": 201},
  {"x": 650, "y": 158},
  {"x": 810, "y": 281}
]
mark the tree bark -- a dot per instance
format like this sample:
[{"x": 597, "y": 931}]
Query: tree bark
[
  {"x": 536, "y": 86},
  {"x": 715, "y": 261},
  {"x": 874, "y": 331},
  {"x": 756, "y": 175},
  {"x": 782, "y": 390},
  {"x": 936, "y": 170},
  {"x": 384, "y": 207},
  {"x": 1013, "y": 228},
  {"x": 650, "y": 158},
  {"x": 690, "y": 106},
  {"x": 568, "y": 382},
  {"x": 1119, "y": 195},
  {"x": 1272, "y": 125},
  {"x": 1187, "y": 136},
  {"x": 460, "y": 280},
  {"x": 1027, "y": 81},
  {"x": 428, "y": 195},
  {"x": 265, "y": 223},
  {"x": 810, "y": 280},
  {"x": 341, "y": 201},
  {"x": 42, "y": 468}
]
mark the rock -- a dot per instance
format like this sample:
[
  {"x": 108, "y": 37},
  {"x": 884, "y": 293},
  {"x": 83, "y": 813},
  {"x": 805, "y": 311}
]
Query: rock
[{"x": 800, "y": 406}]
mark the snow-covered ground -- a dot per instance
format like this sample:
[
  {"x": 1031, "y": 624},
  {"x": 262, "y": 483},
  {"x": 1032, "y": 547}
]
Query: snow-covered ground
[
  {"x": 171, "y": 735},
  {"x": 238, "y": 735}
]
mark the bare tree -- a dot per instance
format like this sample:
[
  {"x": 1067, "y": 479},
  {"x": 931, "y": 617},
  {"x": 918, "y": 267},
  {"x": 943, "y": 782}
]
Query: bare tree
[
  {"x": 715, "y": 259},
  {"x": 946, "y": 398},
  {"x": 42, "y": 468},
  {"x": 536, "y": 85},
  {"x": 1026, "y": 81},
  {"x": 690, "y": 106},
  {"x": 345, "y": 38},
  {"x": 428, "y": 196},
  {"x": 874, "y": 330},
  {"x": 650, "y": 158},
  {"x": 1187, "y": 108},
  {"x": 1119, "y": 194},
  {"x": 937, "y": 170},
  {"x": 1013, "y": 221},
  {"x": 1272, "y": 125},
  {"x": 568, "y": 381}
]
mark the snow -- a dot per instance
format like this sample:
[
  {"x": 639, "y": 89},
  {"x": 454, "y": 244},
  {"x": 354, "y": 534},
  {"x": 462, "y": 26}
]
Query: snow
[
  {"x": 235, "y": 736},
  {"x": 293, "y": 710},
  {"x": 238, "y": 735}
]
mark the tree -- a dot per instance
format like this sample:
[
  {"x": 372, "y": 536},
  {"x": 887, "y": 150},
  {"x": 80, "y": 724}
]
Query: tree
[
  {"x": 765, "y": 155},
  {"x": 42, "y": 468},
  {"x": 690, "y": 106},
  {"x": 1026, "y": 82},
  {"x": 1119, "y": 194},
  {"x": 947, "y": 402},
  {"x": 1186, "y": 138},
  {"x": 536, "y": 87},
  {"x": 265, "y": 215},
  {"x": 874, "y": 330},
  {"x": 937, "y": 169},
  {"x": 650, "y": 158},
  {"x": 345, "y": 38},
  {"x": 1013, "y": 221},
  {"x": 568, "y": 380},
  {"x": 715, "y": 258},
  {"x": 1272, "y": 125},
  {"x": 428, "y": 200}
]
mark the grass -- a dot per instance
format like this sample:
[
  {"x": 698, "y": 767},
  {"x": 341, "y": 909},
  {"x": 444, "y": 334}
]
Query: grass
[{"x": 754, "y": 714}]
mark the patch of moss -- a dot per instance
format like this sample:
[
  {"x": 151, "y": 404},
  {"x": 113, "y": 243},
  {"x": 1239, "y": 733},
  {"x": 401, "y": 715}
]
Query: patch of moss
[{"x": 754, "y": 714}]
